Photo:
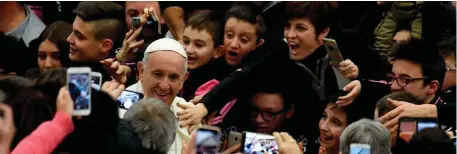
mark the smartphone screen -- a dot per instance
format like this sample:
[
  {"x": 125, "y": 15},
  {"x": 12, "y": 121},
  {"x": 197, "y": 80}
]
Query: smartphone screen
[
  {"x": 359, "y": 150},
  {"x": 207, "y": 141},
  {"x": 96, "y": 82},
  {"x": 426, "y": 124},
  {"x": 128, "y": 98},
  {"x": 407, "y": 129},
  {"x": 259, "y": 143},
  {"x": 79, "y": 87}
]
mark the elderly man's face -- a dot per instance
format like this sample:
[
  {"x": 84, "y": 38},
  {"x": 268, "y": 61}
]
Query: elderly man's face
[{"x": 163, "y": 75}]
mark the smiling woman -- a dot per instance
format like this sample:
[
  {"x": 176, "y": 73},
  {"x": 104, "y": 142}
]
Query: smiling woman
[{"x": 52, "y": 46}]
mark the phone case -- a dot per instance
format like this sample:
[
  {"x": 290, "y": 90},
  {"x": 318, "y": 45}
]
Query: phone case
[{"x": 234, "y": 138}]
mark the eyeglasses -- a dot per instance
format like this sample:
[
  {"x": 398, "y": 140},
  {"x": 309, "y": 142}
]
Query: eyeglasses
[
  {"x": 266, "y": 115},
  {"x": 402, "y": 81}
]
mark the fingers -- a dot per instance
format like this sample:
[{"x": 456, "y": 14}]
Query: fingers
[
  {"x": 300, "y": 146},
  {"x": 191, "y": 128},
  {"x": 115, "y": 65},
  {"x": 286, "y": 137},
  {"x": 128, "y": 35},
  {"x": 391, "y": 115},
  {"x": 137, "y": 45},
  {"x": 395, "y": 102},
  {"x": 135, "y": 34},
  {"x": 107, "y": 62},
  {"x": 232, "y": 149},
  {"x": 278, "y": 138},
  {"x": 185, "y": 105}
]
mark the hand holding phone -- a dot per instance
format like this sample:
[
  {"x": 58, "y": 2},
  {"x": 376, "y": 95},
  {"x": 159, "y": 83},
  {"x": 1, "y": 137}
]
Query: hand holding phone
[
  {"x": 409, "y": 126},
  {"x": 78, "y": 83},
  {"x": 234, "y": 138},
  {"x": 335, "y": 57}
]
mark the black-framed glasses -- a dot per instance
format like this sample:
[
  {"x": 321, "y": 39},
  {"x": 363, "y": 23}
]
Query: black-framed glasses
[
  {"x": 402, "y": 81},
  {"x": 266, "y": 115}
]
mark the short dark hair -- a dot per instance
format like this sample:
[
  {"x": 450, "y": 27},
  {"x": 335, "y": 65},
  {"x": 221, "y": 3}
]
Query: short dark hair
[
  {"x": 447, "y": 47},
  {"x": 384, "y": 107},
  {"x": 56, "y": 33},
  {"x": 249, "y": 14},
  {"x": 425, "y": 55},
  {"x": 108, "y": 18},
  {"x": 211, "y": 22},
  {"x": 322, "y": 14}
]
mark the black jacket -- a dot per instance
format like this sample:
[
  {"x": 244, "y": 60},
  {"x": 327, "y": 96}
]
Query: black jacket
[{"x": 309, "y": 91}]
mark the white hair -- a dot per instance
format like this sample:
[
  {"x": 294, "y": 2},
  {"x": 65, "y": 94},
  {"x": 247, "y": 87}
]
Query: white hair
[
  {"x": 154, "y": 123},
  {"x": 366, "y": 132}
]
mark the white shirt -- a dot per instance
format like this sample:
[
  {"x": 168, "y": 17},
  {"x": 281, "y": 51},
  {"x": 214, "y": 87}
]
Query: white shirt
[{"x": 182, "y": 133}]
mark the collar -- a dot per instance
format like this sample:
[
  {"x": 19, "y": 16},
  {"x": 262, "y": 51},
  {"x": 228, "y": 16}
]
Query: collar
[
  {"x": 437, "y": 100},
  {"x": 29, "y": 29}
]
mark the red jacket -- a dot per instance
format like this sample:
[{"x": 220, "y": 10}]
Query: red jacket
[{"x": 47, "y": 136}]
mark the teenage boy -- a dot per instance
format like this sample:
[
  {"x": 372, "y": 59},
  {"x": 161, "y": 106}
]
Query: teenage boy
[{"x": 96, "y": 32}]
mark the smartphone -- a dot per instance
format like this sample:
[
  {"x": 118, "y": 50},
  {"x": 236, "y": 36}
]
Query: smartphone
[
  {"x": 360, "y": 148},
  {"x": 136, "y": 23},
  {"x": 333, "y": 51},
  {"x": 258, "y": 143},
  {"x": 128, "y": 98},
  {"x": 79, "y": 86},
  {"x": 234, "y": 138},
  {"x": 96, "y": 80},
  {"x": 409, "y": 126},
  {"x": 207, "y": 140},
  {"x": 335, "y": 57}
]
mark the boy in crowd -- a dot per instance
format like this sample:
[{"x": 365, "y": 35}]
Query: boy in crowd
[
  {"x": 202, "y": 40},
  {"x": 97, "y": 31},
  {"x": 243, "y": 33}
]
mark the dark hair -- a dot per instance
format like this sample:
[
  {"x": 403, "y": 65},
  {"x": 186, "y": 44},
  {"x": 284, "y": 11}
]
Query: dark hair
[
  {"x": 97, "y": 128},
  {"x": 211, "y": 22},
  {"x": 447, "y": 47},
  {"x": 56, "y": 33},
  {"x": 351, "y": 112},
  {"x": 51, "y": 81},
  {"x": 108, "y": 18},
  {"x": 384, "y": 107},
  {"x": 30, "y": 108},
  {"x": 322, "y": 14},
  {"x": 425, "y": 55},
  {"x": 431, "y": 141},
  {"x": 13, "y": 85},
  {"x": 249, "y": 14}
]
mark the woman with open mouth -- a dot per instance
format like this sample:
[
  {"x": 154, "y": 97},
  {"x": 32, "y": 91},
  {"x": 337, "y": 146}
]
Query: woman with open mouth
[{"x": 300, "y": 61}]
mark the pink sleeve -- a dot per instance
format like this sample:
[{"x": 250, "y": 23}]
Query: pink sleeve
[{"x": 47, "y": 136}]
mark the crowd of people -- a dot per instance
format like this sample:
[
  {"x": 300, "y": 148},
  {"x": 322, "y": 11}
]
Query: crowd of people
[{"x": 240, "y": 66}]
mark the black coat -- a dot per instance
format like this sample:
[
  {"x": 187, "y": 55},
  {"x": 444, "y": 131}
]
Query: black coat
[{"x": 277, "y": 66}]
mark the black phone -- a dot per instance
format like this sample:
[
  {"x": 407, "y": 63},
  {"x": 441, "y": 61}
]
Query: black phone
[
  {"x": 128, "y": 98},
  {"x": 258, "y": 143},
  {"x": 409, "y": 126}
]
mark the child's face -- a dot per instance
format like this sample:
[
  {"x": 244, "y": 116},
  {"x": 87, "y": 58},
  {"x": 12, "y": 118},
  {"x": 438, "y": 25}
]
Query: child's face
[
  {"x": 331, "y": 125},
  {"x": 199, "y": 47},
  {"x": 240, "y": 38}
]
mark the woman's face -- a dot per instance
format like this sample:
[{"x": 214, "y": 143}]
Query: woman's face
[
  {"x": 301, "y": 36},
  {"x": 48, "y": 56},
  {"x": 331, "y": 125}
]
